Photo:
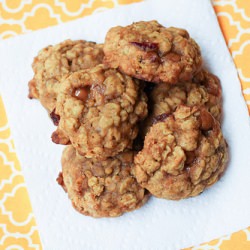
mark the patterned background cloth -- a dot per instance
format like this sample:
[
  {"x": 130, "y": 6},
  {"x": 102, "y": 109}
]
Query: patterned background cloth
[{"x": 18, "y": 228}]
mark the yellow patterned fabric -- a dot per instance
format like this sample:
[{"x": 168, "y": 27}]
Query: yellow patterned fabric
[
  {"x": 234, "y": 19},
  {"x": 17, "y": 222},
  {"x": 18, "y": 228}
]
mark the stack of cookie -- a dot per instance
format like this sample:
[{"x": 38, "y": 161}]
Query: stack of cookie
[{"x": 139, "y": 115}]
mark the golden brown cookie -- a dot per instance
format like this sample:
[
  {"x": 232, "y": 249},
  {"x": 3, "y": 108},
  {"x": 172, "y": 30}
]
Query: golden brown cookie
[
  {"x": 182, "y": 155},
  {"x": 101, "y": 188},
  {"x": 204, "y": 91},
  {"x": 151, "y": 52},
  {"x": 53, "y": 62},
  {"x": 99, "y": 110}
]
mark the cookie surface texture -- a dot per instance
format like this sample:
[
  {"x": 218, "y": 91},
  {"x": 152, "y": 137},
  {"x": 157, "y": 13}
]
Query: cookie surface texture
[
  {"x": 151, "y": 52},
  {"x": 204, "y": 91},
  {"x": 182, "y": 155},
  {"x": 99, "y": 111},
  {"x": 101, "y": 189},
  {"x": 53, "y": 62}
]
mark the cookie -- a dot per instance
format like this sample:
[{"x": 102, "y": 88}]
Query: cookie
[
  {"x": 99, "y": 110},
  {"x": 53, "y": 62},
  {"x": 151, "y": 52},
  {"x": 204, "y": 91},
  {"x": 101, "y": 188},
  {"x": 182, "y": 155}
]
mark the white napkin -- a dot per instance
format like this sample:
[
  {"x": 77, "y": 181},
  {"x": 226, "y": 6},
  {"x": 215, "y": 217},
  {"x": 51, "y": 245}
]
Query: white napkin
[{"x": 160, "y": 224}]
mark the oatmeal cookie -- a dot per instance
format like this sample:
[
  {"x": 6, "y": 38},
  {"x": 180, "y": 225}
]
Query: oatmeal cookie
[
  {"x": 204, "y": 90},
  {"x": 151, "y": 52},
  {"x": 182, "y": 155},
  {"x": 99, "y": 111},
  {"x": 53, "y": 62},
  {"x": 101, "y": 188}
]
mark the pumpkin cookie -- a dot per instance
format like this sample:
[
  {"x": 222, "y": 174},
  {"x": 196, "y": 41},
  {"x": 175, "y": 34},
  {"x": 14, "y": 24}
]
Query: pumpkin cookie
[
  {"x": 99, "y": 110},
  {"x": 101, "y": 188},
  {"x": 53, "y": 62},
  {"x": 204, "y": 91},
  {"x": 182, "y": 155},
  {"x": 151, "y": 52}
]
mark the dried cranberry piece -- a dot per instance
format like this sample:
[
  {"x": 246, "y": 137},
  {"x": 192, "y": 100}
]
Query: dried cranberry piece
[
  {"x": 146, "y": 46},
  {"x": 54, "y": 117},
  {"x": 160, "y": 118},
  {"x": 60, "y": 181}
]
